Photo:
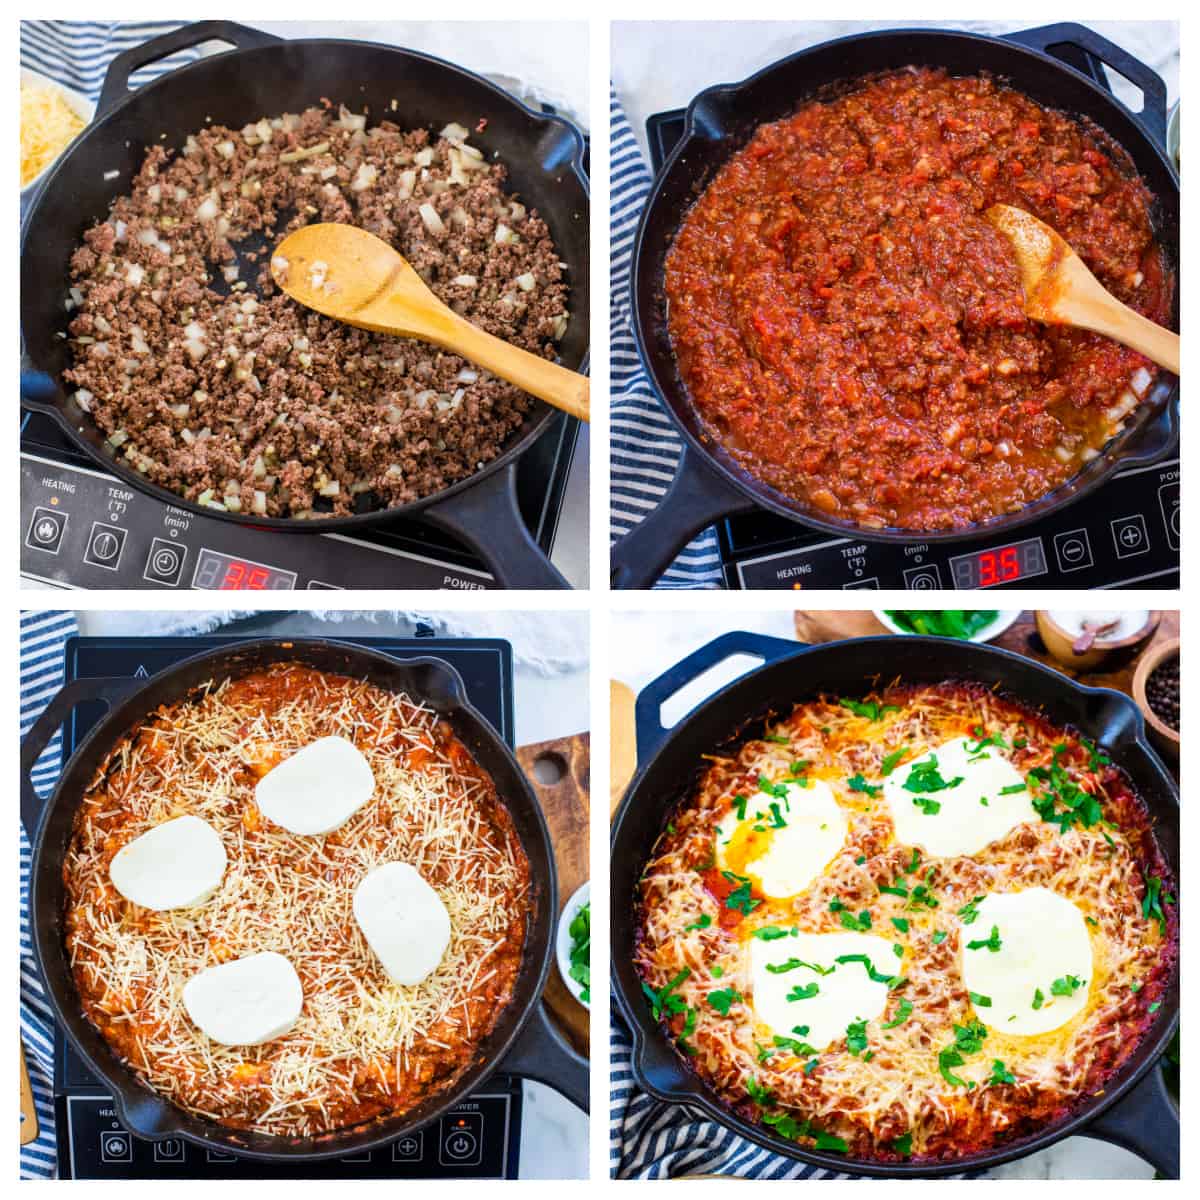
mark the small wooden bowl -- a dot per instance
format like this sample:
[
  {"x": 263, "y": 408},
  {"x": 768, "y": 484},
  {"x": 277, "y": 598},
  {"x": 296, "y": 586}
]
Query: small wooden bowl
[
  {"x": 1166, "y": 738},
  {"x": 1102, "y": 655}
]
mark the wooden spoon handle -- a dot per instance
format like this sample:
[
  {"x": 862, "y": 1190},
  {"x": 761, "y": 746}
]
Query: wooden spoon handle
[
  {"x": 1119, "y": 322},
  {"x": 531, "y": 373}
]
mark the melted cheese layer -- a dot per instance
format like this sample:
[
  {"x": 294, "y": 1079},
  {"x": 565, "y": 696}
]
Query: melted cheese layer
[
  {"x": 783, "y": 861},
  {"x": 1043, "y": 940},
  {"x": 961, "y": 823},
  {"x": 845, "y": 995}
]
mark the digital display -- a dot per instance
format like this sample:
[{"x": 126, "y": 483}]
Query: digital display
[
  {"x": 224, "y": 573},
  {"x": 1001, "y": 564}
]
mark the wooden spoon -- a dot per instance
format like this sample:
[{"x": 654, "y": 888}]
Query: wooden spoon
[
  {"x": 1060, "y": 290},
  {"x": 353, "y": 276}
]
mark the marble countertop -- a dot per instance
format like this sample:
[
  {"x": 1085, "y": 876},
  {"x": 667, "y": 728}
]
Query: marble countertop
[
  {"x": 641, "y": 647},
  {"x": 551, "y": 682}
]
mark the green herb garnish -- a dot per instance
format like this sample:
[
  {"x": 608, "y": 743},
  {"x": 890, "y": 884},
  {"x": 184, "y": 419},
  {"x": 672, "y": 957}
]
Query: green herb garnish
[{"x": 580, "y": 970}]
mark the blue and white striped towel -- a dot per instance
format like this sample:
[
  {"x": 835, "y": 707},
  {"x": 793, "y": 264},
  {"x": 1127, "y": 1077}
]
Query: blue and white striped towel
[
  {"x": 648, "y": 1139},
  {"x": 645, "y": 446},
  {"x": 43, "y": 636},
  {"x": 77, "y": 53}
]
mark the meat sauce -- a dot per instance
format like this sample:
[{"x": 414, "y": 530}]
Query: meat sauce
[
  {"x": 851, "y": 328},
  {"x": 161, "y": 767}
]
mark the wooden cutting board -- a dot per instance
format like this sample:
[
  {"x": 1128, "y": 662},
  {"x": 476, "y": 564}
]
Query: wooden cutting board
[
  {"x": 29, "y": 1121},
  {"x": 565, "y": 804}
]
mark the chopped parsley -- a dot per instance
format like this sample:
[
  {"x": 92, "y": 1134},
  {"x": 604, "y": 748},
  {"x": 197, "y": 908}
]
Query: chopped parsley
[
  {"x": 1152, "y": 902},
  {"x": 1038, "y": 998},
  {"x": 892, "y": 761},
  {"x": 723, "y": 1000},
  {"x": 717, "y": 971},
  {"x": 580, "y": 931},
  {"x": 856, "y": 1037},
  {"x": 778, "y": 790},
  {"x": 856, "y": 783},
  {"x": 1068, "y": 985},
  {"x": 777, "y": 738},
  {"x": 903, "y": 1144},
  {"x": 929, "y": 807},
  {"x": 780, "y": 968},
  {"x": 771, "y": 933},
  {"x": 968, "y": 1039},
  {"x": 901, "y": 923},
  {"x": 663, "y": 1001},
  {"x": 939, "y": 937},
  {"x": 788, "y": 1127},
  {"x": 703, "y": 923},
  {"x": 892, "y": 981},
  {"x": 807, "y": 992},
  {"x": 990, "y": 943},
  {"x": 870, "y": 709},
  {"x": 903, "y": 1012},
  {"x": 980, "y": 1001},
  {"x": 1012, "y": 789},
  {"x": 1058, "y": 788},
  {"x": 739, "y": 806},
  {"x": 895, "y": 890},
  {"x": 925, "y": 777},
  {"x": 1000, "y": 1073},
  {"x": 970, "y": 911},
  {"x": 759, "y": 1094},
  {"x": 739, "y": 899},
  {"x": 798, "y": 1048},
  {"x": 859, "y": 924},
  {"x": 777, "y": 821}
]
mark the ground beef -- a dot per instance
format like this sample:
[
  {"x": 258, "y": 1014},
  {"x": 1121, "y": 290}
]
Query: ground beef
[{"x": 212, "y": 383}]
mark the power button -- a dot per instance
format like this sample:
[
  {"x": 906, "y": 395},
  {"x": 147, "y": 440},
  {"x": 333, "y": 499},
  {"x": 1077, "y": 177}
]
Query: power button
[{"x": 461, "y": 1139}]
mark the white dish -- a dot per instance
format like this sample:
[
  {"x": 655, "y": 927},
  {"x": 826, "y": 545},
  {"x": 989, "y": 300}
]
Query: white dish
[
  {"x": 562, "y": 941},
  {"x": 76, "y": 100},
  {"x": 994, "y": 630}
]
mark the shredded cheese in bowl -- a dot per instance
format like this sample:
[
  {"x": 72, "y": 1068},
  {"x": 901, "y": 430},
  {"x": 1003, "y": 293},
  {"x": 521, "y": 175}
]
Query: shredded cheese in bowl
[{"x": 48, "y": 124}]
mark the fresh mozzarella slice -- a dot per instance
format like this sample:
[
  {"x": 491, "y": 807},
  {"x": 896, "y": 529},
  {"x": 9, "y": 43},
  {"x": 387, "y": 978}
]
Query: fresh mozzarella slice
[
  {"x": 783, "y": 859},
  {"x": 403, "y": 920},
  {"x": 319, "y": 788},
  {"x": 1043, "y": 944},
  {"x": 990, "y": 800},
  {"x": 245, "y": 1002},
  {"x": 177, "y": 864},
  {"x": 845, "y": 995}
]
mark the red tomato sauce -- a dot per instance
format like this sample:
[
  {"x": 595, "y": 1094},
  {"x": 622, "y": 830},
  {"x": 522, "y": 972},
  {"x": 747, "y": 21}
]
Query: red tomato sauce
[{"x": 851, "y": 328}]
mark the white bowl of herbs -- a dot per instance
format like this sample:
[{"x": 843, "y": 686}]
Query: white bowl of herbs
[{"x": 573, "y": 945}]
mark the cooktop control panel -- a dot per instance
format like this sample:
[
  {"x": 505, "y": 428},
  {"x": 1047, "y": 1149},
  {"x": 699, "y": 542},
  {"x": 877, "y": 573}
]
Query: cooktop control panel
[
  {"x": 474, "y": 1140},
  {"x": 86, "y": 529},
  {"x": 1125, "y": 534}
]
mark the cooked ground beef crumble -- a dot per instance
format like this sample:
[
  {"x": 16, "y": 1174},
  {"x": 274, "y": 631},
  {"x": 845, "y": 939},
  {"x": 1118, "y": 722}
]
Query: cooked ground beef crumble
[{"x": 213, "y": 383}]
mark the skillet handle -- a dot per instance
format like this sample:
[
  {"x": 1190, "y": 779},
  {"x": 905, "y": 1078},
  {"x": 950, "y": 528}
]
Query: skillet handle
[
  {"x": 542, "y": 1053},
  {"x": 697, "y": 497},
  {"x": 1145, "y": 1122},
  {"x": 1154, "y": 92},
  {"x": 116, "y": 81},
  {"x": 650, "y": 730},
  {"x": 487, "y": 517},
  {"x": 110, "y": 690}
]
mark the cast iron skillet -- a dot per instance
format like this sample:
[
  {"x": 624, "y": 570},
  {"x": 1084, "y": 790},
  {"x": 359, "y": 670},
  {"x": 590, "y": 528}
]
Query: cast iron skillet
[
  {"x": 265, "y": 76},
  {"x": 1134, "y": 1111},
  {"x": 709, "y": 483},
  {"x": 524, "y": 1041}
]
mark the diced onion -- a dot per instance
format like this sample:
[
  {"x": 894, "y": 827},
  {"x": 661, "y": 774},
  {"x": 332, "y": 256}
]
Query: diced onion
[
  {"x": 431, "y": 220},
  {"x": 526, "y": 282}
]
